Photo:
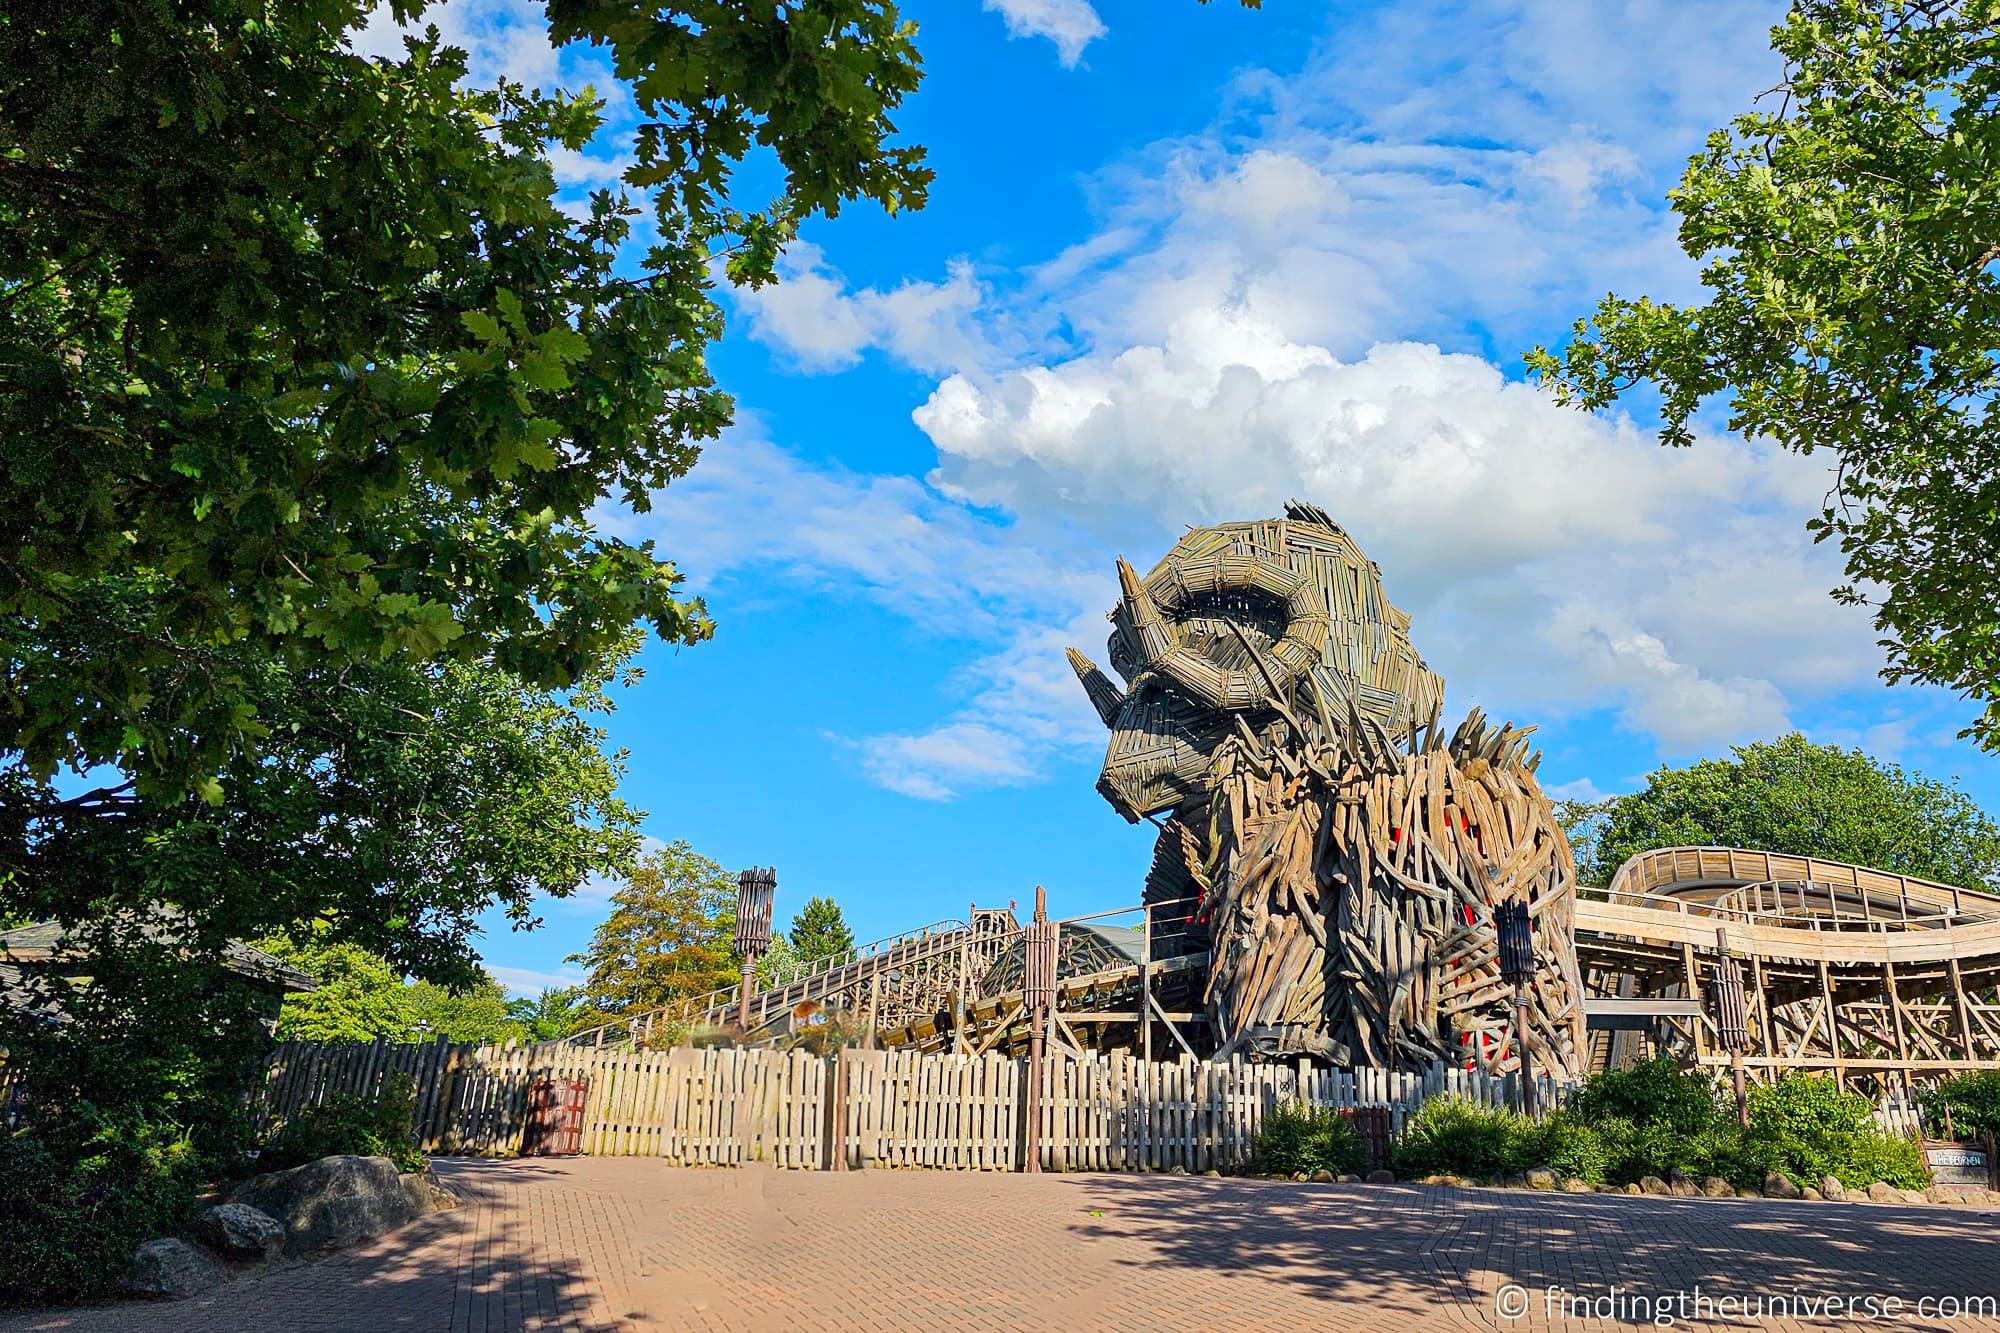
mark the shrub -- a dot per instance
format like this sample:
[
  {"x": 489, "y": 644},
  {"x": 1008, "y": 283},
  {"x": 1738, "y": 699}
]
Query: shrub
[
  {"x": 1973, "y": 1099},
  {"x": 1809, "y": 1128},
  {"x": 72, "y": 1214},
  {"x": 1566, "y": 1145},
  {"x": 1657, "y": 1093},
  {"x": 1453, "y": 1136},
  {"x": 383, "y": 1126},
  {"x": 1296, "y": 1138}
]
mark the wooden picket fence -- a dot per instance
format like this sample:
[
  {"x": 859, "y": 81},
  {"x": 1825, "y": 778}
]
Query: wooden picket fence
[
  {"x": 720, "y": 1107},
  {"x": 693, "y": 1107}
]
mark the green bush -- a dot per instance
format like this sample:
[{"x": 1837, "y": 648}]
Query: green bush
[
  {"x": 383, "y": 1126},
  {"x": 1810, "y": 1129},
  {"x": 1657, "y": 1093},
  {"x": 1296, "y": 1138},
  {"x": 1565, "y": 1144},
  {"x": 72, "y": 1214},
  {"x": 1973, "y": 1099},
  {"x": 1453, "y": 1136}
]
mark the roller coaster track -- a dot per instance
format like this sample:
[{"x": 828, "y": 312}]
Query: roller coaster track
[
  {"x": 889, "y": 960},
  {"x": 1851, "y": 969}
]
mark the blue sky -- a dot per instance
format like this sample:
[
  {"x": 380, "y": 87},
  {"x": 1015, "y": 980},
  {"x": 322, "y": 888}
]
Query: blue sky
[{"x": 1180, "y": 263}]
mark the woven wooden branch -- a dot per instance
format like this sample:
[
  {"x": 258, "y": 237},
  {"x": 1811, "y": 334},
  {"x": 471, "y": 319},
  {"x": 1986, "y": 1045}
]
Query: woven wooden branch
[{"x": 1337, "y": 855}]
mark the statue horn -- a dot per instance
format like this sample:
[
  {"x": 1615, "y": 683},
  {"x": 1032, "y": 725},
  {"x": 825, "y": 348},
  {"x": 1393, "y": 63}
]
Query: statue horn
[
  {"x": 1150, "y": 634},
  {"x": 1105, "y": 697}
]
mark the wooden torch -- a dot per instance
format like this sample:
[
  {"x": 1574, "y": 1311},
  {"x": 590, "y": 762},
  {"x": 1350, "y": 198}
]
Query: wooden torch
[{"x": 755, "y": 888}]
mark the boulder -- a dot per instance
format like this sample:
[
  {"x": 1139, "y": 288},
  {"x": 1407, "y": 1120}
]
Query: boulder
[
  {"x": 332, "y": 1203},
  {"x": 172, "y": 1270},
  {"x": 1348, "y": 1179},
  {"x": 1633, "y": 1189},
  {"x": 1381, "y": 1177},
  {"x": 1715, "y": 1187},
  {"x": 1654, "y": 1185},
  {"x": 1882, "y": 1192},
  {"x": 1749, "y": 1192},
  {"x": 1778, "y": 1185},
  {"x": 1322, "y": 1177},
  {"x": 1679, "y": 1185},
  {"x": 1831, "y": 1188},
  {"x": 428, "y": 1194},
  {"x": 1178, "y": 1170},
  {"x": 238, "y": 1231},
  {"x": 1514, "y": 1182},
  {"x": 1576, "y": 1185},
  {"x": 1812, "y": 1195},
  {"x": 1540, "y": 1178},
  {"x": 1955, "y": 1194},
  {"x": 1913, "y": 1196}
]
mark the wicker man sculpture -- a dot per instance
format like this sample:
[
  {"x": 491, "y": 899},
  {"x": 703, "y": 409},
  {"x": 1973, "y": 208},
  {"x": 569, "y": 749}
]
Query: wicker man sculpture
[{"x": 1337, "y": 858}]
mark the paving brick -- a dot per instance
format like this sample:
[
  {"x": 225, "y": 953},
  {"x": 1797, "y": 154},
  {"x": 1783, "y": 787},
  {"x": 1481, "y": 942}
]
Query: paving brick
[{"x": 632, "y": 1244}]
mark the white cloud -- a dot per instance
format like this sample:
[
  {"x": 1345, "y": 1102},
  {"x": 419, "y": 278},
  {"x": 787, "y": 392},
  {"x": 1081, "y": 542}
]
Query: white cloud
[
  {"x": 812, "y": 317},
  {"x": 1304, "y": 301},
  {"x": 526, "y": 982},
  {"x": 1070, "y": 24},
  {"x": 1017, "y": 596}
]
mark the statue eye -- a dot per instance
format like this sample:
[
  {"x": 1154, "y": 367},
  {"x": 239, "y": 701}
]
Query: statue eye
[{"x": 1206, "y": 619}]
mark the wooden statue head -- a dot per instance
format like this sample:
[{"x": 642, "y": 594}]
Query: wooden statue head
[{"x": 1246, "y": 623}]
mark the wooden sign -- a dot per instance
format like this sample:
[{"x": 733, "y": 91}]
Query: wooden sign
[{"x": 1958, "y": 1163}]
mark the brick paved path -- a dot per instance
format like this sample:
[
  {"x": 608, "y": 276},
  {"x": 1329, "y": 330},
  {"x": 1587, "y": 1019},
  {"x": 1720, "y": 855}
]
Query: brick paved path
[{"x": 631, "y": 1244}]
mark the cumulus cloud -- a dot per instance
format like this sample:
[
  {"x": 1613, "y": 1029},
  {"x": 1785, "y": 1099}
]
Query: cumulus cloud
[
  {"x": 1315, "y": 298},
  {"x": 812, "y": 317},
  {"x": 1070, "y": 24}
]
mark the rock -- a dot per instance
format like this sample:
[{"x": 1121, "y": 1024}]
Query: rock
[
  {"x": 332, "y": 1203},
  {"x": 1381, "y": 1177},
  {"x": 172, "y": 1270},
  {"x": 1955, "y": 1194},
  {"x": 1540, "y": 1178},
  {"x": 1831, "y": 1188},
  {"x": 1212, "y": 1172},
  {"x": 1300, "y": 1176},
  {"x": 1914, "y": 1196},
  {"x": 1679, "y": 1185},
  {"x": 1812, "y": 1195},
  {"x": 1778, "y": 1185},
  {"x": 238, "y": 1231},
  {"x": 1882, "y": 1192},
  {"x": 1576, "y": 1185},
  {"x": 1176, "y": 1170},
  {"x": 1654, "y": 1185},
  {"x": 1515, "y": 1182},
  {"x": 1715, "y": 1187},
  {"x": 1749, "y": 1192},
  {"x": 1322, "y": 1177},
  {"x": 1349, "y": 1179},
  {"x": 1633, "y": 1189},
  {"x": 427, "y": 1194}
]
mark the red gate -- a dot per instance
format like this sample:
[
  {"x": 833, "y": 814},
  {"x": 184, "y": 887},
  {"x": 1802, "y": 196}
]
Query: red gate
[{"x": 555, "y": 1117}]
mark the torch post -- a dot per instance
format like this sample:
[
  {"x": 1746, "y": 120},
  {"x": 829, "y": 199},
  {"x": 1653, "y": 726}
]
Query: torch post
[
  {"x": 1732, "y": 1020},
  {"x": 1517, "y": 968},
  {"x": 755, "y": 889},
  {"x": 1039, "y": 990}
]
